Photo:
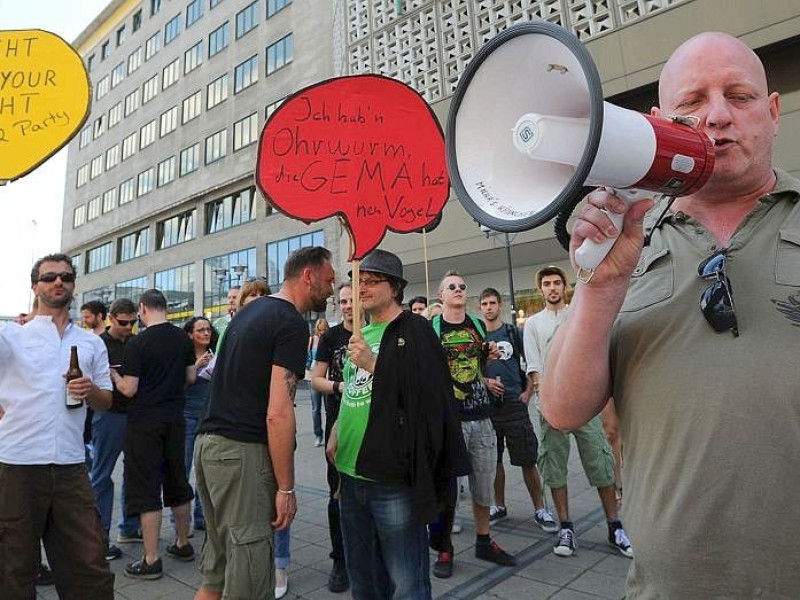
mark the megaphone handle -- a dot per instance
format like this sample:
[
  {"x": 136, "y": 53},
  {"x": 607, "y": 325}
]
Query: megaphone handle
[{"x": 591, "y": 254}]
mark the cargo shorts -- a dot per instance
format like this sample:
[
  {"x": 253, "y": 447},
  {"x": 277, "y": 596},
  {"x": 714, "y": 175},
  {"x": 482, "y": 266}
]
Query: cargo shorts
[{"x": 593, "y": 448}]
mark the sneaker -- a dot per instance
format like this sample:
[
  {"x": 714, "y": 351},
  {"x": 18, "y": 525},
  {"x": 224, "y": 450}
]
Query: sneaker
[
  {"x": 184, "y": 553},
  {"x": 496, "y": 513},
  {"x": 44, "y": 576},
  {"x": 338, "y": 581},
  {"x": 619, "y": 539},
  {"x": 281, "y": 583},
  {"x": 129, "y": 538},
  {"x": 567, "y": 544},
  {"x": 318, "y": 442},
  {"x": 113, "y": 553},
  {"x": 139, "y": 569},
  {"x": 457, "y": 527},
  {"x": 443, "y": 567},
  {"x": 494, "y": 553},
  {"x": 544, "y": 519}
]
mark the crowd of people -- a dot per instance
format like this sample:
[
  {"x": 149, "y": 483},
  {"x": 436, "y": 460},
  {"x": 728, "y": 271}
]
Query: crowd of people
[{"x": 423, "y": 397}]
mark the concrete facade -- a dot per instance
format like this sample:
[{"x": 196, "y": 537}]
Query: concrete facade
[{"x": 425, "y": 43}]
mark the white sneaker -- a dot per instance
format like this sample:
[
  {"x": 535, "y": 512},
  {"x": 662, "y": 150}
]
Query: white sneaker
[
  {"x": 281, "y": 583},
  {"x": 619, "y": 540},
  {"x": 544, "y": 519},
  {"x": 567, "y": 544}
]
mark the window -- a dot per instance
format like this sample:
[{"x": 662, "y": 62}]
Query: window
[
  {"x": 175, "y": 230},
  {"x": 115, "y": 115},
  {"x": 149, "y": 89},
  {"x": 245, "y": 74},
  {"x": 190, "y": 159},
  {"x": 151, "y": 46},
  {"x": 245, "y": 132},
  {"x": 218, "y": 39},
  {"x": 155, "y": 6},
  {"x": 96, "y": 167},
  {"x": 147, "y": 134},
  {"x": 193, "y": 57},
  {"x": 172, "y": 29},
  {"x": 85, "y": 137},
  {"x": 274, "y": 6},
  {"x": 93, "y": 210},
  {"x": 104, "y": 50},
  {"x": 194, "y": 10},
  {"x": 79, "y": 216},
  {"x": 232, "y": 210},
  {"x": 177, "y": 285},
  {"x": 145, "y": 181},
  {"x": 166, "y": 171},
  {"x": 77, "y": 263},
  {"x": 99, "y": 257},
  {"x": 171, "y": 73},
  {"x": 112, "y": 157},
  {"x": 217, "y": 91},
  {"x": 219, "y": 276},
  {"x": 213, "y": 3},
  {"x": 99, "y": 127},
  {"x": 169, "y": 121},
  {"x": 216, "y": 146},
  {"x": 118, "y": 74},
  {"x": 82, "y": 176},
  {"x": 246, "y": 19},
  {"x": 120, "y": 35},
  {"x": 127, "y": 191},
  {"x": 90, "y": 63},
  {"x": 132, "y": 101},
  {"x": 110, "y": 200},
  {"x": 192, "y": 106},
  {"x": 280, "y": 53},
  {"x": 137, "y": 21},
  {"x": 132, "y": 289},
  {"x": 128, "y": 146},
  {"x": 102, "y": 87},
  {"x": 134, "y": 244},
  {"x": 278, "y": 252},
  {"x": 135, "y": 60}
]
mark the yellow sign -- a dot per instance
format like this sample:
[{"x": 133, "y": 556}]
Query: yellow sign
[{"x": 44, "y": 99}]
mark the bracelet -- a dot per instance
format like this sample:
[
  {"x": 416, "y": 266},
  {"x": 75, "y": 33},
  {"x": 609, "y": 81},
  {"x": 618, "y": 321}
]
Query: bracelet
[{"x": 287, "y": 492}]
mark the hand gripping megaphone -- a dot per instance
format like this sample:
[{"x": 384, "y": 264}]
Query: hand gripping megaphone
[{"x": 528, "y": 134}]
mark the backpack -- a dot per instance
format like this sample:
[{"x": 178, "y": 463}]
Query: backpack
[{"x": 437, "y": 326}]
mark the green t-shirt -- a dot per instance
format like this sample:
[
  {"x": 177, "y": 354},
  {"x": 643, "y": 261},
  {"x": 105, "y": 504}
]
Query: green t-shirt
[{"x": 356, "y": 400}]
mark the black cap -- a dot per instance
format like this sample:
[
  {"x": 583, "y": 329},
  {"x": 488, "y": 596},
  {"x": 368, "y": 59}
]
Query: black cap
[{"x": 381, "y": 261}]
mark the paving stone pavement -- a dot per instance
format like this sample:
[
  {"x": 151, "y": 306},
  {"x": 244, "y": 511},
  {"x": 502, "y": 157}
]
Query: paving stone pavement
[{"x": 596, "y": 571}]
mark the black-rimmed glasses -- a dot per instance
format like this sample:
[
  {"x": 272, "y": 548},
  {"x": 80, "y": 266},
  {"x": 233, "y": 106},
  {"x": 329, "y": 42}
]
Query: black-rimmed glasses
[
  {"x": 453, "y": 286},
  {"x": 50, "y": 277},
  {"x": 716, "y": 301}
]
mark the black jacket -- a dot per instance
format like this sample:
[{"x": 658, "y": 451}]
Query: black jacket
[{"x": 413, "y": 436}]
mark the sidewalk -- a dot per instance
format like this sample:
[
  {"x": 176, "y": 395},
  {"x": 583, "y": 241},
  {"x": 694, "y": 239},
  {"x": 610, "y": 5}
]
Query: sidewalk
[{"x": 596, "y": 571}]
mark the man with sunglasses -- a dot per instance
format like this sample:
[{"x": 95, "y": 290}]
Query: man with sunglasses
[
  {"x": 44, "y": 489},
  {"x": 708, "y": 390},
  {"x": 108, "y": 432},
  {"x": 463, "y": 338}
]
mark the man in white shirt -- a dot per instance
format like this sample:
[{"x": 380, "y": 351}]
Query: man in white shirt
[{"x": 44, "y": 487}]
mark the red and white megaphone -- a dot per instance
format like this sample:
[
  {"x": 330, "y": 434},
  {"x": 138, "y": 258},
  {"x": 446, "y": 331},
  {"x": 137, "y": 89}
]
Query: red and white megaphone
[{"x": 528, "y": 131}]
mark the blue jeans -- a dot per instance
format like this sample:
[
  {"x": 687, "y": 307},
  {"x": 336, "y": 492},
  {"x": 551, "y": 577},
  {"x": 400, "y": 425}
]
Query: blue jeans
[
  {"x": 283, "y": 554},
  {"x": 192, "y": 422},
  {"x": 108, "y": 440},
  {"x": 316, "y": 412},
  {"x": 386, "y": 549}
]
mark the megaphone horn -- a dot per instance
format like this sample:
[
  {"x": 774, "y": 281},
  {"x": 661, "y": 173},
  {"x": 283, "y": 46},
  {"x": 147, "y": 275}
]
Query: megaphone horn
[{"x": 528, "y": 131}]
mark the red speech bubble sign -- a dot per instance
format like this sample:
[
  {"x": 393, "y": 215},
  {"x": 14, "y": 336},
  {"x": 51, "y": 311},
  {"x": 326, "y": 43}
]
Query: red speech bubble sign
[{"x": 366, "y": 148}]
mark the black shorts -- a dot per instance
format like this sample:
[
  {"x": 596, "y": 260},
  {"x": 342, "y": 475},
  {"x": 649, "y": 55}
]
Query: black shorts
[
  {"x": 154, "y": 464},
  {"x": 515, "y": 430}
]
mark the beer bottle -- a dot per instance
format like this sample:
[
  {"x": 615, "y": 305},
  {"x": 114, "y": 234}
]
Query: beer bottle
[{"x": 74, "y": 372}]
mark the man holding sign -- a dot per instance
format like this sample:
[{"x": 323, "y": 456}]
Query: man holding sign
[{"x": 397, "y": 439}]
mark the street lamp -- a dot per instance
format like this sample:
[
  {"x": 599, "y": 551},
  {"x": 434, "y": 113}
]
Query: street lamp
[
  {"x": 507, "y": 239},
  {"x": 226, "y": 275},
  {"x": 104, "y": 296}
]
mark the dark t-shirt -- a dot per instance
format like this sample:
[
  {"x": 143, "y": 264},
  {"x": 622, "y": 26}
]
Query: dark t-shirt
[
  {"x": 332, "y": 349},
  {"x": 463, "y": 347},
  {"x": 116, "y": 352},
  {"x": 266, "y": 332},
  {"x": 509, "y": 369},
  {"x": 158, "y": 357}
]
